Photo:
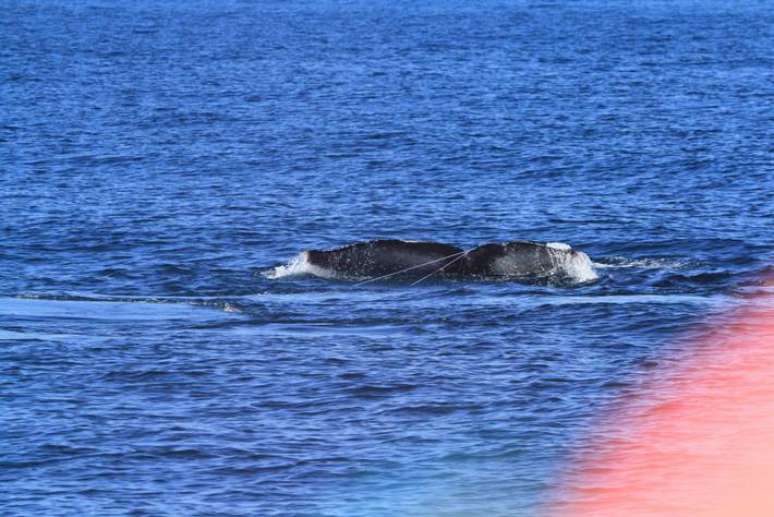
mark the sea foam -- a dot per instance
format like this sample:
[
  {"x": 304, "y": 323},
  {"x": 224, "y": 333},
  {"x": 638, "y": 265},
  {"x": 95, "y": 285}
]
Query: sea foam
[
  {"x": 298, "y": 265},
  {"x": 576, "y": 266}
]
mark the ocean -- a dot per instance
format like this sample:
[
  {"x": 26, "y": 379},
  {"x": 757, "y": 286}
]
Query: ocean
[{"x": 158, "y": 160}]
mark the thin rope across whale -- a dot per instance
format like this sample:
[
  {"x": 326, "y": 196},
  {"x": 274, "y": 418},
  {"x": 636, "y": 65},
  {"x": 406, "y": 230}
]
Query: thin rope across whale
[{"x": 416, "y": 261}]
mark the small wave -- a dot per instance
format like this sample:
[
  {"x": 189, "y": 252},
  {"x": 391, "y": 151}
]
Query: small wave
[
  {"x": 371, "y": 391},
  {"x": 642, "y": 263},
  {"x": 431, "y": 410}
]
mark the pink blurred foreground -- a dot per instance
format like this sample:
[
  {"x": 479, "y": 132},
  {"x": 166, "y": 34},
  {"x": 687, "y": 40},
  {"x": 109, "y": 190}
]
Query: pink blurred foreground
[{"x": 698, "y": 440}]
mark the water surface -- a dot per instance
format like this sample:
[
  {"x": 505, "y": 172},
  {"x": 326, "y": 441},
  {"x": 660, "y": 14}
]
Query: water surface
[{"x": 157, "y": 157}]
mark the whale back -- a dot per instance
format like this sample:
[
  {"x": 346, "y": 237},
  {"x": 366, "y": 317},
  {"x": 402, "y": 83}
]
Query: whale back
[
  {"x": 529, "y": 261},
  {"x": 521, "y": 261},
  {"x": 383, "y": 257},
  {"x": 515, "y": 259}
]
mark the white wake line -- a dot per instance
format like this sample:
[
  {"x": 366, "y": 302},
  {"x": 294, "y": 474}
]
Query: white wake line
[
  {"x": 79, "y": 296},
  {"x": 610, "y": 299},
  {"x": 642, "y": 264}
]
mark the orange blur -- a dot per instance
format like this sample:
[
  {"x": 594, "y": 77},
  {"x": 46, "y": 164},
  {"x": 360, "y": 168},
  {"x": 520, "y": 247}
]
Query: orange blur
[{"x": 698, "y": 440}]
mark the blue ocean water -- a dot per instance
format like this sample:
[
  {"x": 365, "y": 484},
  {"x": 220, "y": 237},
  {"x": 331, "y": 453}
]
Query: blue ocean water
[{"x": 156, "y": 158}]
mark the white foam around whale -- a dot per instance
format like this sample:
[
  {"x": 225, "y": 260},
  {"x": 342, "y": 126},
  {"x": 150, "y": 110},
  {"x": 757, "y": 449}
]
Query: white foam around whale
[
  {"x": 299, "y": 265},
  {"x": 576, "y": 266},
  {"x": 559, "y": 246}
]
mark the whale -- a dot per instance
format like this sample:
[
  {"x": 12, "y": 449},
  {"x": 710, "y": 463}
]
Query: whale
[{"x": 391, "y": 259}]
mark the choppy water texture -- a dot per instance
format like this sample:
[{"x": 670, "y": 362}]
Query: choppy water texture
[{"x": 156, "y": 157}]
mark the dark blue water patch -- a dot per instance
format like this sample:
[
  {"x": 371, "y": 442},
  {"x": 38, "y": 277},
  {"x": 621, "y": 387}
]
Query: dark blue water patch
[{"x": 158, "y": 158}]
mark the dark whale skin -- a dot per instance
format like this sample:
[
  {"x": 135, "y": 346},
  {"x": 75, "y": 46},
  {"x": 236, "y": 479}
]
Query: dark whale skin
[
  {"x": 514, "y": 259},
  {"x": 517, "y": 260},
  {"x": 383, "y": 257}
]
